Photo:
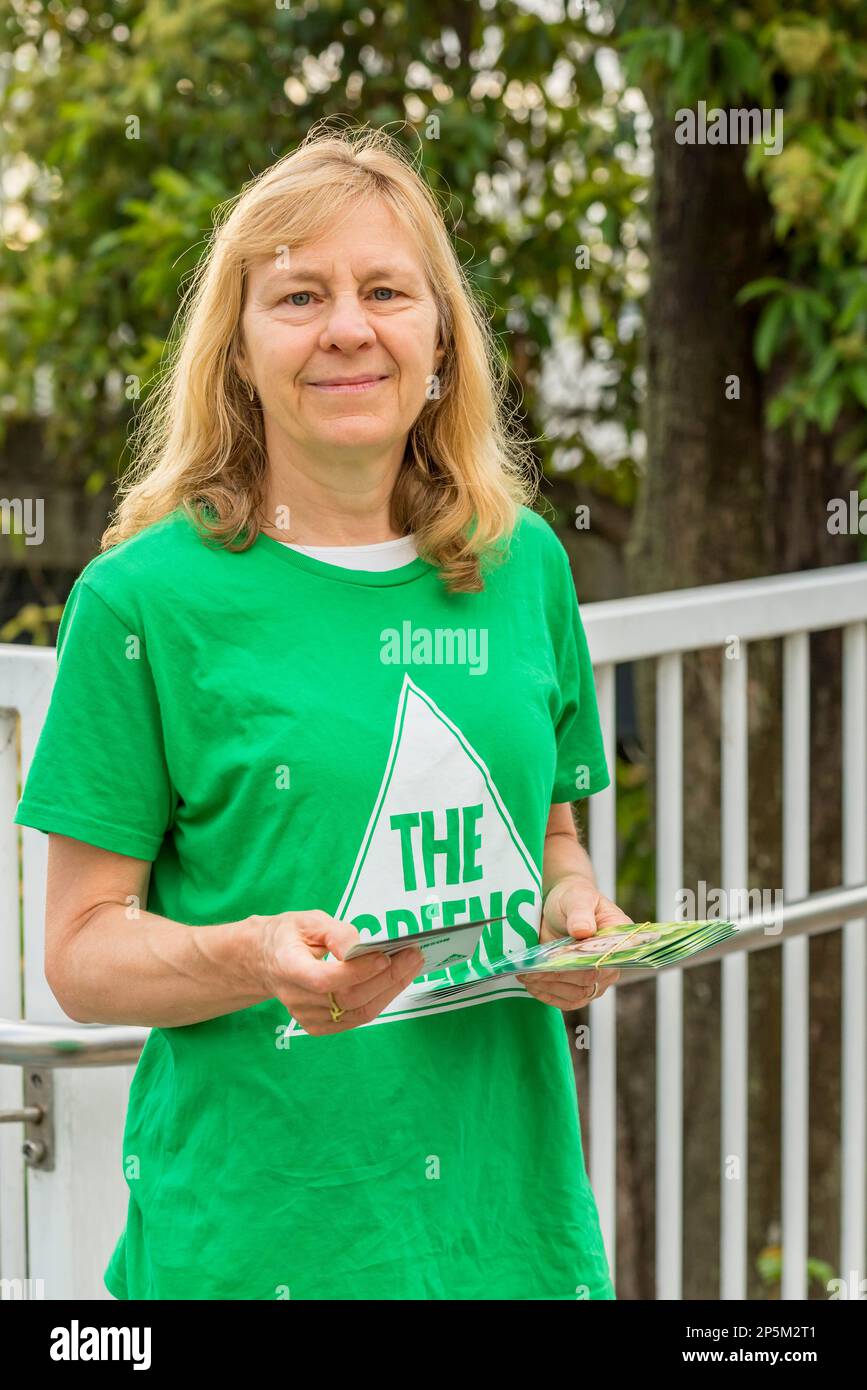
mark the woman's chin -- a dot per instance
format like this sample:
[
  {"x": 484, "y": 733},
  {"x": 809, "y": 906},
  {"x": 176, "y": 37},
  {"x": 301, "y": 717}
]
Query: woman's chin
[{"x": 355, "y": 432}]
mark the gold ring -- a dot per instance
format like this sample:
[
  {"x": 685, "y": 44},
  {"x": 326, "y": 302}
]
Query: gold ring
[
  {"x": 594, "y": 991},
  {"x": 336, "y": 1011}
]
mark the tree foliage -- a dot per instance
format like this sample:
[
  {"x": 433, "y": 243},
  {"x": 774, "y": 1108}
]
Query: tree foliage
[
  {"x": 811, "y": 67},
  {"x": 131, "y": 121},
  {"x": 127, "y": 122}
]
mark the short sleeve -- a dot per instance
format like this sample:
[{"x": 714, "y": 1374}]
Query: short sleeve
[
  {"x": 99, "y": 772},
  {"x": 581, "y": 767}
]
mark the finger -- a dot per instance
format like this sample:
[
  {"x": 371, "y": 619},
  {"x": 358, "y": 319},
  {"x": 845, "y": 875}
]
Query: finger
[
  {"x": 320, "y": 1014},
  {"x": 311, "y": 975},
  {"x": 584, "y": 976},
  {"x": 321, "y": 933},
  {"x": 573, "y": 984},
  {"x": 608, "y": 914},
  {"x": 581, "y": 923},
  {"x": 589, "y": 978},
  {"x": 399, "y": 971},
  {"x": 578, "y": 913},
  {"x": 565, "y": 996},
  {"x": 556, "y": 999},
  {"x": 318, "y": 929},
  {"x": 602, "y": 977}
]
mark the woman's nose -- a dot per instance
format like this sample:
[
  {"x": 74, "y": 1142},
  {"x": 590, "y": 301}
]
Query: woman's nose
[{"x": 348, "y": 324}]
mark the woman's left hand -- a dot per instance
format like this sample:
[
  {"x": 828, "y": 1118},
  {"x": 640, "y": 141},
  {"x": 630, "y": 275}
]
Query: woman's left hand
[{"x": 574, "y": 907}]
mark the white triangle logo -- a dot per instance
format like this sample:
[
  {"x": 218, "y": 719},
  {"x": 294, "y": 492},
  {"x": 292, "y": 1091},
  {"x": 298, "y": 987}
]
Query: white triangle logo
[{"x": 440, "y": 848}]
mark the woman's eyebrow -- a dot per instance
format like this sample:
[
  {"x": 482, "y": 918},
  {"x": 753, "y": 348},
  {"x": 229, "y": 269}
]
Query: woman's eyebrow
[{"x": 289, "y": 273}]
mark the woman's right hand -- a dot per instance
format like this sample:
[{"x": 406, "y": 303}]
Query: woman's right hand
[{"x": 292, "y": 947}]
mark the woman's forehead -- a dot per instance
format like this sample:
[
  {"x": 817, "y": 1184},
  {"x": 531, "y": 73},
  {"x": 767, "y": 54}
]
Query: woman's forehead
[
  {"x": 368, "y": 223},
  {"x": 319, "y": 260}
]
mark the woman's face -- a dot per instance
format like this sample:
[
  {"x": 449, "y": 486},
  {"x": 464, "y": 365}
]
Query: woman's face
[{"x": 353, "y": 304}]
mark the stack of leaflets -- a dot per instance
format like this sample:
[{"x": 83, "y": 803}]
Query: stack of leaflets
[
  {"x": 635, "y": 945},
  {"x": 441, "y": 946},
  {"x": 642, "y": 945}
]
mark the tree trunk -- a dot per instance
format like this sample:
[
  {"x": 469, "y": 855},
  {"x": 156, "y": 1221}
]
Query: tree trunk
[{"x": 715, "y": 506}]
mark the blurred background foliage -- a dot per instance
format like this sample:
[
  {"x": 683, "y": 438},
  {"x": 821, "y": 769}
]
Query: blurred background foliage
[
  {"x": 126, "y": 123},
  {"x": 155, "y": 113}
]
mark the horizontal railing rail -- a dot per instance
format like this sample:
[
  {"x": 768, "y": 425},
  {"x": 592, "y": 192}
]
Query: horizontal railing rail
[
  {"x": 688, "y": 620},
  {"x": 24, "y": 1043},
  {"x": 666, "y": 628}
]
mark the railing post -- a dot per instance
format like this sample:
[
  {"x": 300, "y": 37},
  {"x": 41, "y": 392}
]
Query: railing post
[
  {"x": 853, "y": 1144},
  {"x": 669, "y": 986},
  {"x": 75, "y": 1212},
  {"x": 734, "y": 1155},
  {"x": 12, "y": 1210},
  {"x": 603, "y": 1018},
  {"x": 796, "y": 965}
]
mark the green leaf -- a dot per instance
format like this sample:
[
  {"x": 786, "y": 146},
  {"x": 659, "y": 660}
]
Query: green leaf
[
  {"x": 755, "y": 288},
  {"x": 674, "y": 52},
  {"x": 819, "y": 303},
  {"x": 778, "y": 410},
  {"x": 853, "y": 196},
  {"x": 855, "y": 303},
  {"x": 823, "y": 367},
  {"x": 770, "y": 331},
  {"x": 856, "y": 378},
  {"x": 850, "y": 135},
  {"x": 820, "y": 1270},
  {"x": 691, "y": 79},
  {"x": 807, "y": 320},
  {"x": 827, "y": 405},
  {"x": 742, "y": 64}
]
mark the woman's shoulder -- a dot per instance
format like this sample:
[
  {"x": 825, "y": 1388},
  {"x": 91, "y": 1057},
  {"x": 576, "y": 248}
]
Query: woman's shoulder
[
  {"x": 535, "y": 537},
  {"x": 138, "y": 568}
]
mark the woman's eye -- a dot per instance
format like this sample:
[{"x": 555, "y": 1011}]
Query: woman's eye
[{"x": 299, "y": 299}]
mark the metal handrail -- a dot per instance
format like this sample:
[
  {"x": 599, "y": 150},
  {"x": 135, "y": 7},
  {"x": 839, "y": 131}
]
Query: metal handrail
[
  {"x": 107, "y": 1045},
  {"x": 817, "y": 913},
  {"x": 26, "y": 1044},
  {"x": 689, "y": 620}
]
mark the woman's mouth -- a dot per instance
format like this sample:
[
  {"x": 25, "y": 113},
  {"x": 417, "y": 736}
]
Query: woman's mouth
[{"x": 349, "y": 385}]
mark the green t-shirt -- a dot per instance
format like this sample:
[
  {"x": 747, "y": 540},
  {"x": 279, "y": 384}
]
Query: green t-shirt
[{"x": 277, "y": 733}]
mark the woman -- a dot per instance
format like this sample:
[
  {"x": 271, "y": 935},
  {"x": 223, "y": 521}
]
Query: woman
[{"x": 326, "y": 681}]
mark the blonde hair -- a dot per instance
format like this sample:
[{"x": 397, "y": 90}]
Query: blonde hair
[{"x": 198, "y": 441}]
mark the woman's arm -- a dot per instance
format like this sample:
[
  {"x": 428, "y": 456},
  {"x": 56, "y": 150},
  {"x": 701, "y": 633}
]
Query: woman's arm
[
  {"x": 564, "y": 855},
  {"x": 573, "y": 906},
  {"x": 108, "y": 960}
]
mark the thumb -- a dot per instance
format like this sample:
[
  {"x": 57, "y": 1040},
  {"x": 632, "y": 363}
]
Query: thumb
[
  {"x": 580, "y": 923},
  {"x": 570, "y": 911},
  {"x": 323, "y": 933}
]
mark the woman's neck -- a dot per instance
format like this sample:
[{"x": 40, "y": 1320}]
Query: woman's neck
[
  {"x": 318, "y": 515},
  {"x": 329, "y": 534}
]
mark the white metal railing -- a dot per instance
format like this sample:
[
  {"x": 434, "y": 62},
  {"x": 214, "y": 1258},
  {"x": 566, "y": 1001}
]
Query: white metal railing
[
  {"x": 58, "y": 1222},
  {"x": 661, "y": 627},
  {"x": 665, "y": 626}
]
